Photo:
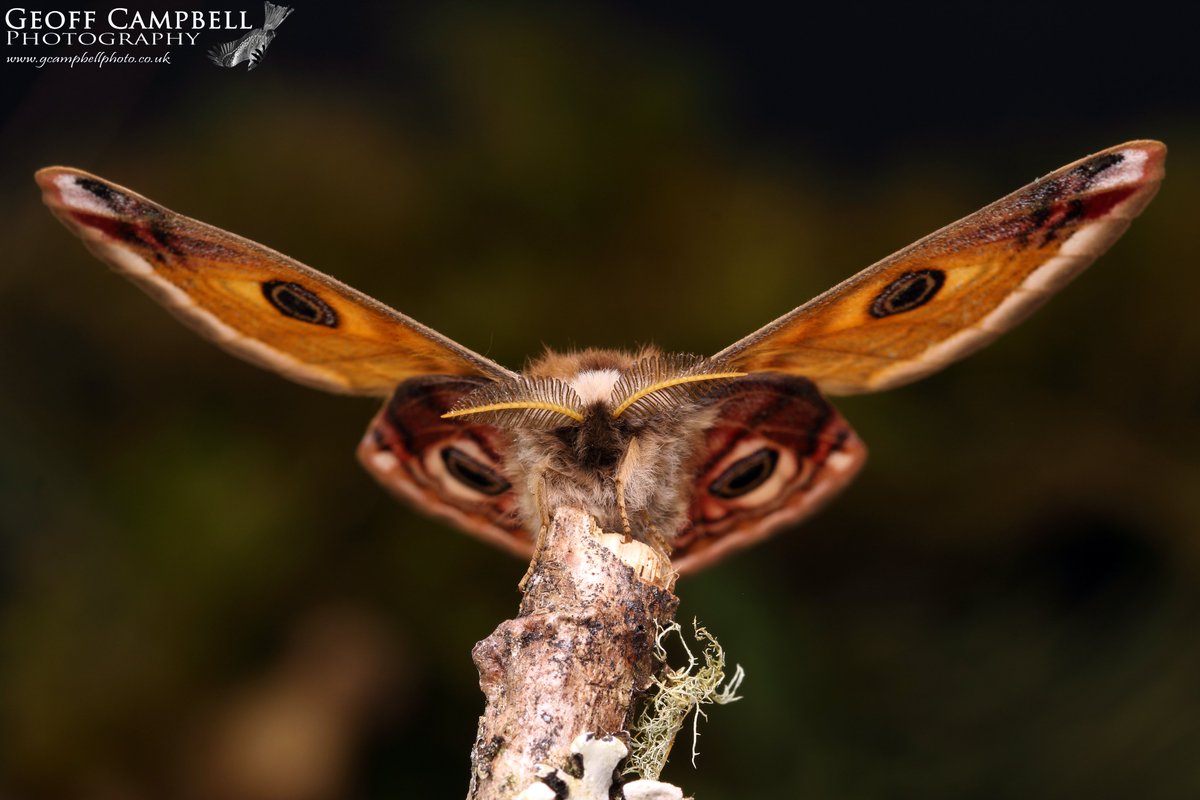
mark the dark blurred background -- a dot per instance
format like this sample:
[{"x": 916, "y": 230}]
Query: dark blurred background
[{"x": 202, "y": 595}]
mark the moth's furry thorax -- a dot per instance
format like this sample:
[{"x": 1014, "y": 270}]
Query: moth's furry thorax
[
  {"x": 570, "y": 364},
  {"x": 647, "y": 457},
  {"x": 578, "y": 465}
]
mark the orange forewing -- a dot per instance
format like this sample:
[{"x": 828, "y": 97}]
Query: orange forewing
[
  {"x": 961, "y": 287},
  {"x": 255, "y": 302}
]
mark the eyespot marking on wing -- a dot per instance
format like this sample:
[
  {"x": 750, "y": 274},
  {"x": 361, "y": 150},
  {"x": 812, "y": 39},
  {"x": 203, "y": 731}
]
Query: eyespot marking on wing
[
  {"x": 910, "y": 291},
  {"x": 295, "y": 301},
  {"x": 746, "y": 474},
  {"x": 473, "y": 473}
]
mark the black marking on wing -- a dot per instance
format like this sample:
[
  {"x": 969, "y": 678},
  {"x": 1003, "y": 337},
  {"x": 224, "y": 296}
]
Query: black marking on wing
[
  {"x": 146, "y": 224},
  {"x": 103, "y": 191},
  {"x": 1051, "y": 219},
  {"x": 1090, "y": 169},
  {"x": 295, "y": 301},
  {"x": 1074, "y": 182},
  {"x": 474, "y": 474},
  {"x": 745, "y": 475},
  {"x": 910, "y": 291}
]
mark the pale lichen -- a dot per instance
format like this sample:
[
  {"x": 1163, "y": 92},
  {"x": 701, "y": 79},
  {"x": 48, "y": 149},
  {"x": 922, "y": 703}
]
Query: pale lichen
[{"x": 676, "y": 694}]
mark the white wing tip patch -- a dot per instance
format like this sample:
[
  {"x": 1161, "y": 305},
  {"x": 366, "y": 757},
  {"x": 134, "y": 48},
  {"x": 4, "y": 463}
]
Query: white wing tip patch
[
  {"x": 62, "y": 189},
  {"x": 1132, "y": 168}
]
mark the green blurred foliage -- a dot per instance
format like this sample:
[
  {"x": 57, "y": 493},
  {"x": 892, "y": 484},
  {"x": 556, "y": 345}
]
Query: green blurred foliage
[{"x": 1004, "y": 605}]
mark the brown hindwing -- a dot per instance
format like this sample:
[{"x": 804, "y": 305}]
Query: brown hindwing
[
  {"x": 774, "y": 422},
  {"x": 446, "y": 467}
]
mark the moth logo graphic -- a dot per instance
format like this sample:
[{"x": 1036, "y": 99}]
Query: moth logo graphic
[{"x": 251, "y": 47}]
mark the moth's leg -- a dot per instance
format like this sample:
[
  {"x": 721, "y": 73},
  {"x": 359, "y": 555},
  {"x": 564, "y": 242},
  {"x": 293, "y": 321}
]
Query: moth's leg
[
  {"x": 625, "y": 527},
  {"x": 540, "y": 491},
  {"x": 624, "y": 470}
]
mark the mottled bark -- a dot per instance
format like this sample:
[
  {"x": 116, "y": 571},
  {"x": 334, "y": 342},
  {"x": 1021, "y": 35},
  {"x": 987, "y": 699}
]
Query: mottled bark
[{"x": 576, "y": 656}]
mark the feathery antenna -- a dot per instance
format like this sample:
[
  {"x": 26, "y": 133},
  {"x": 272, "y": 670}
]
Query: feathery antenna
[
  {"x": 522, "y": 403},
  {"x": 663, "y": 382}
]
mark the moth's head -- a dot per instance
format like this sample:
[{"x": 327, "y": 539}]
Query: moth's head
[{"x": 596, "y": 401}]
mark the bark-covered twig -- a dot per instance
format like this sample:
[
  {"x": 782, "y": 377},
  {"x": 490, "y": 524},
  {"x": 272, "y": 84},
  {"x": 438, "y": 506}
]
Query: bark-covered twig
[{"x": 575, "y": 658}]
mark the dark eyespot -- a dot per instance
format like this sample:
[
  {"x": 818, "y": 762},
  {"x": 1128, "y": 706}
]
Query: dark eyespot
[
  {"x": 746, "y": 474},
  {"x": 293, "y": 300},
  {"x": 911, "y": 290},
  {"x": 472, "y": 474}
]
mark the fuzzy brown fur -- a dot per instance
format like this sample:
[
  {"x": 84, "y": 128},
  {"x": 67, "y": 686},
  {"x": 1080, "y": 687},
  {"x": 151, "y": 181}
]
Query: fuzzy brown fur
[{"x": 578, "y": 464}]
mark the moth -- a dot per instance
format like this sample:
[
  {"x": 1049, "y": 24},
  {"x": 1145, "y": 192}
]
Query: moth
[{"x": 699, "y": 456}]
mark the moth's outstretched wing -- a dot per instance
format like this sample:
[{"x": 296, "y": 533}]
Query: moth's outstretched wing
[
  {"x": 961, "y": 287},
  {"x": 254, "y": 302}
]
